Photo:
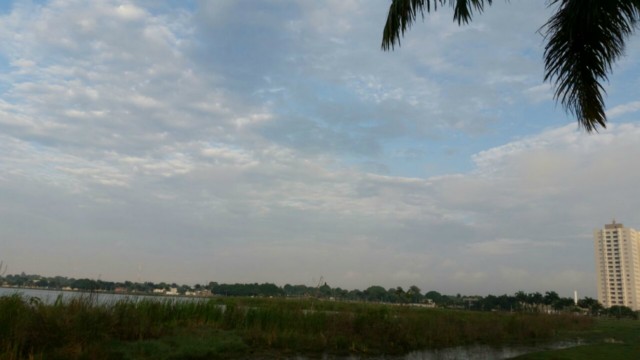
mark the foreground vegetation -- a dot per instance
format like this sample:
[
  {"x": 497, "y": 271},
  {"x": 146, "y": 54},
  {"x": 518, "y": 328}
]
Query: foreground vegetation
[{"x": 84, "y": 328}]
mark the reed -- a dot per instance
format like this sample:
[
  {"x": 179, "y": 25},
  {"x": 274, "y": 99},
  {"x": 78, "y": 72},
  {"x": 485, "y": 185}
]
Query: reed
[{"x": 87, "y": 328}]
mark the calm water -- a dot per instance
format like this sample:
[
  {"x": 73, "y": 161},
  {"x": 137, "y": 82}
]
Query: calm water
[
  {"x": 50, "y": 296},
  {"x": 476, "y": 352}
]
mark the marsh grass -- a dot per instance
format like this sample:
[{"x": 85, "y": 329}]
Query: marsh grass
[
  {"x": 608, "y": 339},
  {"x": 86, "y": 328}
]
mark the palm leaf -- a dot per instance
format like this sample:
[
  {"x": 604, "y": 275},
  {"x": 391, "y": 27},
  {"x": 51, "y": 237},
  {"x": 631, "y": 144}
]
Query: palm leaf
[
  {"x": 585, "y": 37},
  {"x": 403, "y": 13}
]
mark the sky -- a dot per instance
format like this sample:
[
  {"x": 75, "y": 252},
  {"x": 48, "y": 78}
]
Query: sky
[{"x": 273, "y": 141}]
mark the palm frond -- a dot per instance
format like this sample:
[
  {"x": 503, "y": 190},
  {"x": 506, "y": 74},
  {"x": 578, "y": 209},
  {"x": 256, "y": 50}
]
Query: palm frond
[
  {"x": 403, "y": 13},
  {"x": 463, "y": 9},
  {"x": 585, "y": 38}
]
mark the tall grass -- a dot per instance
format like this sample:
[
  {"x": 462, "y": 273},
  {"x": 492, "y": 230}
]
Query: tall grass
[{"x": 85, "y": 328}]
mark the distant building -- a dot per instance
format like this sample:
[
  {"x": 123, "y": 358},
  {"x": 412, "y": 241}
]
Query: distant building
[
  {"x": 172, "y": 291},
  {"x": 617, "y": 252}
]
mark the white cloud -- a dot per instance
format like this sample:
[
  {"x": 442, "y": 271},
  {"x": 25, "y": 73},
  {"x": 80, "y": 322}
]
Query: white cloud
[
  {"x": 620, "y": 110},
  {"x": 506, "y": 246},
  {"x": 184, "y": 136},
  {"x": 539, "y": 93},
  {"x": 129, "y": 12},
  {"x": 23, "y": 63}
]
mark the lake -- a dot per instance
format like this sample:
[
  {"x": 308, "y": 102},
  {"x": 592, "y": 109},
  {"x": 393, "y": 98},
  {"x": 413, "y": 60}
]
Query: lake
[
  {"x": 474, "y": 352},
  {"x": 50, "y": 296}
]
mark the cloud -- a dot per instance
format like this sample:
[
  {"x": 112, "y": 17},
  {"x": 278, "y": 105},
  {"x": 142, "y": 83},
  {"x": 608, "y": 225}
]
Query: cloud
[
  {"x": 127, "y": 80},
  {"x": 506, "y": 246},
  {"x": 539, "y": 93},
  {"x": 226, "y": 200},
  {"x": 272, "y": 144},
  {"x": 129, "y": 12},
  {"x": 623, "y": 109}
]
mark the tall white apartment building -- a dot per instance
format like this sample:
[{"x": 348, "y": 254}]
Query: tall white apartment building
[{"x": 618, "y": 265}]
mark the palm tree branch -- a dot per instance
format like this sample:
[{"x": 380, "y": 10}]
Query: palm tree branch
[
  {"x": 463, "y": 9},
  {"x": 585, "y": 38},
  {"x": 403, "y": 13}
]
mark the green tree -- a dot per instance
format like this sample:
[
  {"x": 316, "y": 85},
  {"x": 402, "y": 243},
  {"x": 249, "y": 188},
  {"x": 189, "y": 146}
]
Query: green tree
[
  {"x": 376, "y": 293},
  {"x": 563, "y": 304},
  {"x": 414, "y": 294},
  {"x": 592, "y": 304},
  {"x": 400, "y": 294},
  {"x": 324, "y": 291},
  {"x": 551, "y": 297},
  {"x": 507, "y": 302},
  {"x": 618, "y": 312},
  {"x": 521, "y": 298},
  {"x": 535, "y": 298},
  {"x": 392, "y": 297},
  {"x": 584, "y": 38},
  {"x": 435, "y": 296}
]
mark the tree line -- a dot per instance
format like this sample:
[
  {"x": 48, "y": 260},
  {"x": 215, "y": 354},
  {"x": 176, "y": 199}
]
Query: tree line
[{"x": 521, "y": 301}]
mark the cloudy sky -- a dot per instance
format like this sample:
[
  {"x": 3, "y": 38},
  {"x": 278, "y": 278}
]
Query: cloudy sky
[{"x": 273, "y": 141}]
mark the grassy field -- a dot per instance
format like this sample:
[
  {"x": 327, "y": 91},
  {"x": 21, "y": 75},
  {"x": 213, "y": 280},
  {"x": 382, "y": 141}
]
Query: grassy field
[
  {"x": 224, "y": 328},
  {"x": 608, "y": 339}
]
